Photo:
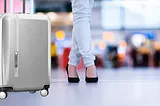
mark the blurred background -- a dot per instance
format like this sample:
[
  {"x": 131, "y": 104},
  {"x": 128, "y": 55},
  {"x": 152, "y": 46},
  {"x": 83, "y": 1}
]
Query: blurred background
[
  {"x": 125, "y": 33},
  {"x": 126, "y": 43}
]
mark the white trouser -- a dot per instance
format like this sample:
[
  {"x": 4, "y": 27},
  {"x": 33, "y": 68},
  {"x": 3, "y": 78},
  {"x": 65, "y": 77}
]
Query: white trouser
[{"x": 81, "y": 34}]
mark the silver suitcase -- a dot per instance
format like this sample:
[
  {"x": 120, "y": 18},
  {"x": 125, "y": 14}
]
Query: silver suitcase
[{"x": 24, "y": 53}]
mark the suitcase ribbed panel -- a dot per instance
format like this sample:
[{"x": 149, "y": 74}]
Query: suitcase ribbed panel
[
  {"x": 9, "y": 47},
  {"x": 1, "y": 17}
]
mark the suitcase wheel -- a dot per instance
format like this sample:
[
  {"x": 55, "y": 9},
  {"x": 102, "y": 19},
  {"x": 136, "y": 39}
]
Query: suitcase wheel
[
  {"x": 32, "y": 92},
  {"x": 44, "y": 92},
  {"x": 3, "y": 95}
]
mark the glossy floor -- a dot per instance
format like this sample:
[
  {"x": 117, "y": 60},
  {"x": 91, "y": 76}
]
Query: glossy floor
[{"x": 122, "y": 87}]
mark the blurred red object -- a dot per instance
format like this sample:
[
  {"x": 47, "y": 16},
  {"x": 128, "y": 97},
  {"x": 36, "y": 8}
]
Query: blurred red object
[
  {"x": 64, "y": 60},
  {"x": 65, "y": 57}
]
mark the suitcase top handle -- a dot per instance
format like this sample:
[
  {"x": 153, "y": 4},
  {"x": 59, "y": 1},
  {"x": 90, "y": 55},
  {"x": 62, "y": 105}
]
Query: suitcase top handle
[{"x": 5, "y": 6}]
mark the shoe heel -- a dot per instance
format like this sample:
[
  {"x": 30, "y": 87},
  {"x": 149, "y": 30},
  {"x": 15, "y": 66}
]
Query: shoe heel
[
  {"x": 91, "y": 80},
  {"x": 72, "y": 80}
]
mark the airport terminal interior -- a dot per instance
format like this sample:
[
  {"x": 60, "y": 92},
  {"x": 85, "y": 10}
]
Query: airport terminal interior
[{"x": 125, "y": 42}]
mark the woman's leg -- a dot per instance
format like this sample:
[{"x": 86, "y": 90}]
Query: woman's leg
[
  {"x": 74, "y": 57},
  {"x": 81, "y": 23},
  {"x": 91, "y": 2}
]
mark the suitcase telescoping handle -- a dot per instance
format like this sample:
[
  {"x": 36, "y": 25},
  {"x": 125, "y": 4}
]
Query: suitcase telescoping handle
[
  {"x": 11, "y": 1},
  {"x": 5, "y": 6},
  {"x": 24, "y": 6}
]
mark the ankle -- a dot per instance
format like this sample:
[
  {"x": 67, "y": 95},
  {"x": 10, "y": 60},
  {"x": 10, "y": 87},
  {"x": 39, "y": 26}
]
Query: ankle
[
  {"x": 91, "y": 71},
  {"x": 71, "y": 67},
  {"x": 92, "y": 67}
]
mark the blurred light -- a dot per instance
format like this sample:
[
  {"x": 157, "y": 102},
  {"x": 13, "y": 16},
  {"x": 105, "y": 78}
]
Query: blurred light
[
  {"x": 32, "y": 6},
  {"x": 93, "y": 45},
  {"x": 67, "y": 43},
  {"x": 60, "y": 35},
  {"x": 156, "y": 45},
  {"x": 138, "y": 39},
  {"x": 121, "y": 50},
  {"x": 70, "y": 16},
  {"x": 102, "y": 45},
  {"x": 52, "y": 16},
  {"x": 144, "y": 50},
  {"x": 108, "y": 36},
  {"x": 121, "y": 53},
  {"x": 39, "y": 13},
  {"x": 123, "y": 44}
]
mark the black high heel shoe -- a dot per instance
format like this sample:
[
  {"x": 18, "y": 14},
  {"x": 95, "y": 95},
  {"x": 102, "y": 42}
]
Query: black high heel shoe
[
  {"x": 72, "y": 80},
  {"x": 91, "y": 79}
]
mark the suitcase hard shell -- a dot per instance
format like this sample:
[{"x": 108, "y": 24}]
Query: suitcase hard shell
[{"x": 25, "y": 63}]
